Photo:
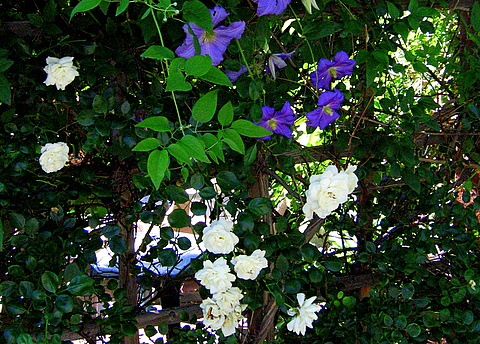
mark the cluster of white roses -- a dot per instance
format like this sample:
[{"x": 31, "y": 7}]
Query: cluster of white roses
[
  {"x": 328, "y": 190},
  {"x": 60, "y": 72},
  {"x": 224, "y": 310}
]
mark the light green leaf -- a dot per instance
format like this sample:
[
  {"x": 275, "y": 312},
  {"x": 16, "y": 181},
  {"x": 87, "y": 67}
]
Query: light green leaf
[
  {"x": 80, "y": 285},
  {"x": 156, "y": 123},
  {"x": 179, "y": 153},
  {"x": 122, "y": 6},
  {"x": 157, "y": 164},
  {"x": 176, "y": 82},
  {"x": 198, "y": 65},
  {"x": 233, "y": 140},
  {"x": 213, "y": 146},
  {"x": 204, "y": 109},
  {"x": 216, "y": 76},
  {"x": 146, "y": 145},
  {"x": 84, "y": 5},
  {"x": 158, "y": 52},
  {"x": 248, "y": 129},
  {"x": 225, "y": 115},
  {"x": 196, "y": 12},
  {"x": 194, "y": 147}
]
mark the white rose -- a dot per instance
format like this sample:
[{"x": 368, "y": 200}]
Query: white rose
[
  {"x": 60, "y": 72},
  {"x": 228, "y": 299},
  {"x": 54, "y": 156},
  {"x": 328, "y": 190},
  {"x": 213, "y": 316},
  {"x": 218, "y": 238},
  {"x": 304, "y": 315},
  {"x": 248, "y": 267},
  {"x": 232, "y": 319},
  {"x": 215, "y": 276}
]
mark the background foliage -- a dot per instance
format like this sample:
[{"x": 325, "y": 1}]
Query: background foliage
[{"x": 409, "y": 121}]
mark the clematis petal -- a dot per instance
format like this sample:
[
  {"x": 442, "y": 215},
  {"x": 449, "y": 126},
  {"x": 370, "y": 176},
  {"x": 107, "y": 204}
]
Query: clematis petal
[
  {"x": 271, "y": 7},
  {"x": 320, "y": 118},
  {"x": 331, "y": 99},
  {"x": 219, "y": 14},
  {"x": 233, "y": 76}
]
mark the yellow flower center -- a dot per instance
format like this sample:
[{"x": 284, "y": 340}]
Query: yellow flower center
[
  {"x": 333, "y": 72},
  {"x": 272, "y": 123},
  {"x": 208, "y": 37},
  {"x": 328, "y": 110}
]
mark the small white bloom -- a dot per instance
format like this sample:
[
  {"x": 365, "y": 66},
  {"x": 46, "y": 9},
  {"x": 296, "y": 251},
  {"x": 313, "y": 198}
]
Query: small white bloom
[
  {"x": 228, "y": 299},
  {"x": 304, "y": 315},
  {"x": 472, "y": 285},
  {"x": 218, "y": 238},
  {"x": 248, "y": 267},
  {"x": 53, "y": 156},
  {"x": 328, "y": 190},
  {"x": 232, "y": 319},
  {"x": 215, "y": 276},
  {"x": 60, "y": 72},
  {"x": 308, "y": 5}
]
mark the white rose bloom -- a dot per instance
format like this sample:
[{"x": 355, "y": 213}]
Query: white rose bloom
[
  {"x": 328, "y": 190},
  {"x": 53, "y": 156},
  {"x": 248, "y": 267},
  {"x": 304, "y": 315},
  {"x": 228, "y": 299},
  {"x": 215, "y": 276},
  {"x": 213, "y": 316},
  {"x": 218, "y": 238},
  {"x": 60, "y": 72},
  {"x": 216, "y": 318}
]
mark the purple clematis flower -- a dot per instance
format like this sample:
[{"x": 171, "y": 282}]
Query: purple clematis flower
[
  {"x": 277, "y": 61},
  {"x": 213, "y": 44},
  {"x": 271, "y": 6},
  {"x": 328, "y": 70},
  {"x": 325, "y": 114},
  {"x": 277, "y": 122},
  {"x": 233, "y": 76}
]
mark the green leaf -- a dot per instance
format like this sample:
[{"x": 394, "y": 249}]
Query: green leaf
[
  {"x": 122, "y": 6},
  {"x": 198, "y": 65},
  {"x": 176, "y": 82},
  {"x": 179, "y": 153},
  {"x": 129, "y": 329},
  {"x": 412, "y": 180},
  {"x": 334, "y": 265},
  {"x": 146, "y": 145},
  {"x": 250, "y": 155},
  {"x": 216, "y": 76},
  {"x": 393, "y": 10},
  {"x": 5, "y": 64},
  {"x": 408, "y": 290},
  {"x": 100, "y": 104},
  {"x": 157, "y": 164},
  {"x": 260, "y": 206},
  {"x": 227, "y": 180},
  {"x": 156, "y": 123},
  {"x": 475, "y": 16},
  {"x": 233, "y": 139},
  {"x": 24, "y": 338},
  {"x": 64, "y": 303},
  {"x": 184, "y": 243},
  {"x": 401, "y": 321},
  {"x": 158, "y": 52},
  {"x": 177, "y": 194},
  {"x": 80, "y": 285},
  {"x": 178, "y": 218},
  {"x": 204, "y": 109},
  {"x": 225, "y": 115},
  {"x": 1, "y": 236},
  {"x": 50, "y": 281},
  {"x": 5, "y": 90},
  {"x": 26, "y": 288},
  {"x": 196, "y": 12},
  {"x": 195, "y": 147},
  {"x": 248, "y": 129},
  {"x": 117, "y": 244},
  {"x": 85, "y": 5}
]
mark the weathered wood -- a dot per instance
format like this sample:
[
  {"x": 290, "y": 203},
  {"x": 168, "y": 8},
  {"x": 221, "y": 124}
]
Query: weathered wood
[{"x": 168, "y": 316}]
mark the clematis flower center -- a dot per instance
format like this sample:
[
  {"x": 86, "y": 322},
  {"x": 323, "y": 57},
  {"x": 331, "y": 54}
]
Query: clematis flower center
[
  {"x": 328, "y": 110},
  {"x": 208, "y": 37},
  {"x": 333, "y": 72},
  {"x": 272, "y": 123}
]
